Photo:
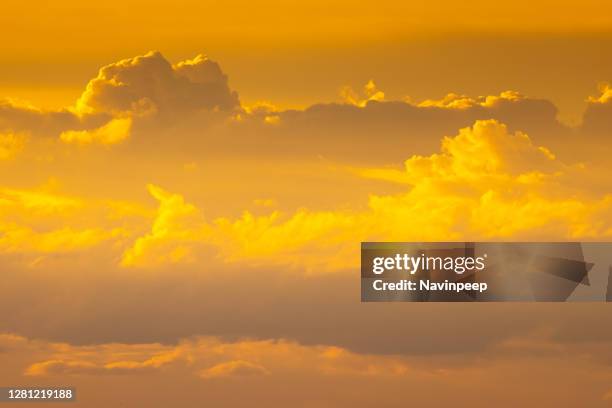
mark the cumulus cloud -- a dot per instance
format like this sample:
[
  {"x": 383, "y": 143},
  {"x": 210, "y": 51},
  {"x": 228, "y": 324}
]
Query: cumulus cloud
[
  {"x": 486, "y": 148},
  {"x": 139, "y": 87},
  {"x": 152, "y": 91},
  {"x": 489, "y": 183},
  {"x": 485, "y": 183},
  {"x": 149, "y": 86},
  {"x": 149, "y": 83}
]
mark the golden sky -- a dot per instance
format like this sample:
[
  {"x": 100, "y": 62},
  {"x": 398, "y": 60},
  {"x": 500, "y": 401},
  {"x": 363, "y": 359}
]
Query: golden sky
[
  {"x": 299, "y": 53},
  {"x": 183, "y": 191}
]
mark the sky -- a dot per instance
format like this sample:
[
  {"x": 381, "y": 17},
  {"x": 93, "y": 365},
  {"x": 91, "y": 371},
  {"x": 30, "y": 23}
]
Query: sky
[
  {"x": 183, "y": 193},
  {"x": 298, "y": 53}
]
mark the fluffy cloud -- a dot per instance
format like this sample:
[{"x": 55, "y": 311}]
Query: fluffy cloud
[
  {"x": 142, "y": 86},
  {"x": 488, "y": 181},
  {"x": 149, "y": 83},
  {"x": 485, "y": 183},
  {"x": 152, "y": 91},
  {"x": 487, "y": 148}
]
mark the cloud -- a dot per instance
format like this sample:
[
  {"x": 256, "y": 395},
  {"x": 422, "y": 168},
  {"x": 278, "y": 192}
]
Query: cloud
[
  {"x": 370, "y": 93},
  {"x": 176, "y": 226},
  {"x": 605, "y": 97},
  {"x": 23, "y": 239},
  {"x": 205, "y": 357},
  {"x": 486, "y": 183},
  {"x": 37, "y": 201},
  {"x": 51, "y": 367},
  {"x": 483, "y": 181},
  {"x": 385, "y": 131},
  {"x": 139, "y": 87},
  {"x": 25, "y": 119},
  {"x": 149, "y": 83},
  {"x": 316, "y": 241},
  {"x": 115, "y": 131},
  {"x": 456, "y": 101},
  {"x": 486, "y": 148},
  {"x": 282, "y": 369},
  {"x": 236, "y": 368},
  {"x": 151, "y": 91},
  {"x": 105, "y": 359},
  {"x": 597, "y": 119},
  {"x": 42, "y": 221}
]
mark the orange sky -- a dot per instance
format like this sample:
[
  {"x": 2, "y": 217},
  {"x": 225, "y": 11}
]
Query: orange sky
[
  {"x": 295, "y": 54},
  {"x": 164, "y": 231}
]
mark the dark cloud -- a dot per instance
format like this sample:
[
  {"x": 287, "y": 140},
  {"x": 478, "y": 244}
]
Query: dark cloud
[
  {"x": 27, "y": 119},
  {"x": 391, "y": 131},
  {"x": 597, "y": 119},
  {"x": 146, "y": 85},
  {"x": 106, "y": 305},
  {"x": 149, "y": 83},
  {"x": 153, "y": 92}
]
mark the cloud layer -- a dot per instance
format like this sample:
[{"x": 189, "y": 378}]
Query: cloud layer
[
  {"x": 263, "y": 369},
  {"x": 158, "y": 235},
  {"x": 486, "y": 183}
]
